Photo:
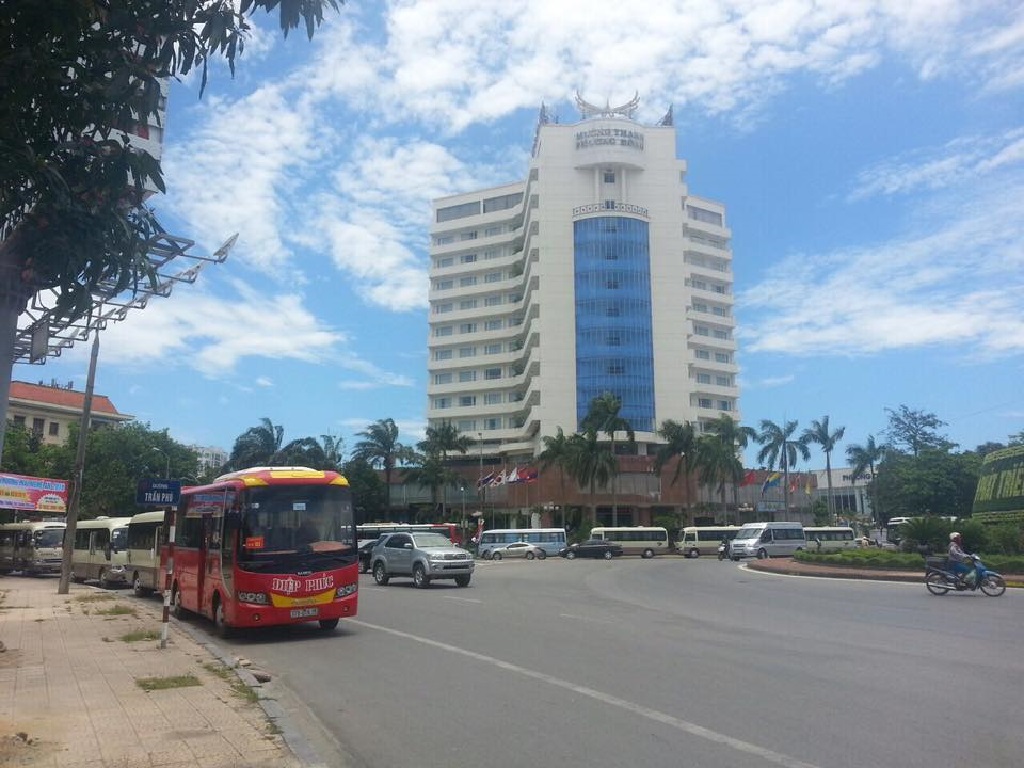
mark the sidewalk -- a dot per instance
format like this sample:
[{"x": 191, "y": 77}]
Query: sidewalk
[{"x": 70, "y": 668}]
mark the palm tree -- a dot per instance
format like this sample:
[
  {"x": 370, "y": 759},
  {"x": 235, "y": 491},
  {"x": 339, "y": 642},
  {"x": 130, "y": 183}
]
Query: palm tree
[
  {"x": 719, "y": 464},
  {"x": 866, "y": 456},
  {"x": 819, "y": 434},
  {"x": 304, "y": 452},
  {"x": 429, "y": 471},
  {"x": 382, "y": 449},
  {"x": 603, "y": 416},
  {"x": 779, "y": 448},
  {"x": 731, "y": 433},
  {"x": 681, "y": 447},
  {"x": 556, "y": 453},
  {"x": 257, "y": 446},
  {"x": 334, "y": 448},
  {"x": 591, "y": 464},
  {"x": 442, "y": 439}
]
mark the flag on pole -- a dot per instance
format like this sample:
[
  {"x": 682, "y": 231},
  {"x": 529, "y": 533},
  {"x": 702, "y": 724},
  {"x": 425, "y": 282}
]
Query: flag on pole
[
  {"x": 807, "y": 486},
  {"x": 749, "y": 479},
  {"x": 529, "y": 475},
  {"x": 485, "y": 481},
  {"x": 499, "y": 478},
  {"x": 773, "y": 479},
  {"x": 512, "y": 476}
]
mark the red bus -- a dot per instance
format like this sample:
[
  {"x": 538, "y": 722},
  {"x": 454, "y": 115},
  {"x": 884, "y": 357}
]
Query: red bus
[{"x": 266, "y": 546}]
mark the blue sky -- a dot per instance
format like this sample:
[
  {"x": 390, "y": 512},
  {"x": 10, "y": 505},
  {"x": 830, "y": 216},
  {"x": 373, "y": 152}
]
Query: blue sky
[{"x": 870, "y": 155}]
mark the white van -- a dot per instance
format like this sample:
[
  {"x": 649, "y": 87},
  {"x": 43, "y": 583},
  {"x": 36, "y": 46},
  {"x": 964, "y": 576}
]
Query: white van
[
  {"x": 704, "y": 540},
  {"x": 763, "y": 540},
  {"x": 100, "y": 551}
]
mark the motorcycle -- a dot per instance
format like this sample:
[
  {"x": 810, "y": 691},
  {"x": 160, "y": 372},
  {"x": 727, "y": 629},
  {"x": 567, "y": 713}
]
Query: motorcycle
[
  {"x": 940, "y": 578},
  {"x": 723, "y": 551}
]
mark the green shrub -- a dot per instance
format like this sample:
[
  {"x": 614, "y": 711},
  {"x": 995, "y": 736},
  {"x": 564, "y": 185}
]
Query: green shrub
[{"x": 1005, "y": 539}]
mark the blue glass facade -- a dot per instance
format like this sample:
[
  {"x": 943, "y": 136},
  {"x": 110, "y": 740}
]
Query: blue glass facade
[{"x": 614, "y": 342}]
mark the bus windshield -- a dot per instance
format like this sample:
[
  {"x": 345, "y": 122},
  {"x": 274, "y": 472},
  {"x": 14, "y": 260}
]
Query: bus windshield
[
  {"x": 295, "y": 519},
  {"x": 48, "y": 537},
  {"x": 119, "y": 538}
]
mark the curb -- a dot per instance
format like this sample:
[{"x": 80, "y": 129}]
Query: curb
[
  {"x": 791, "y": 568},
  {"x": 298, "y": 745}
]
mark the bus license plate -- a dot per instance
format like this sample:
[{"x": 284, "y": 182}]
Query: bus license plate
[{"x": 304, "y": 613}]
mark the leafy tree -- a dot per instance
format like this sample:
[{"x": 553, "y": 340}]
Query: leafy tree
[
  {"x": 819, "y": 434},
  {"x": 303, "y": 452},
  {"x": 76, "y": 74},
  {"x": 441, "y": 440},
  {"x": 779, "y": 448},
  {"x": 729, "y": 431},
  {"x": 21, "y": 451},
  {"x": 381, "y": 449},
  {"x": 915, "y": 430},
  {"x": 935, "y": 482},
  {"x": 604, "y": 416},
  {"x": 430, "y": 472},
  {"x": 986, "y": 448},
  {"x": 257, "y": 446},
  {"x": 557, "y": 453},
  {"x": 592, "y": 464},
  {"x": 334, "y": 448},
  {"x": 368, "y": 491},
  {"x": 681, "y": 448}
]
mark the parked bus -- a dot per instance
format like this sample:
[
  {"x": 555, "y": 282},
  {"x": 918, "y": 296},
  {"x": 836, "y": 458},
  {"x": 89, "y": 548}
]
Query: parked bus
[
  {"x": 704, "y": 540},
  {"x": 551, "y": 540},
  {"x": 31, "y": 548},
  {"x": 100, "y": 551},
  {"x": 832, "y": 537},
  {"x": 147, "y": 534},
  {"x": 373, "y": 531},
  {"x": 638, "y": 540},
  {"x": 266, "y": 546}
]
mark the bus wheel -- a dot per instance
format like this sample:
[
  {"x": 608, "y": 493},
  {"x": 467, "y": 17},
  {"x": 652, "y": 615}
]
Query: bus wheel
[
  {"x": 648, "y": 554},
  {"x": 219, "y": 624},
  {"x": 542, "y": 555},
  {"x": 137, "y": 587},
  {"x": 76, "y": 579},
  {"x": 694, "y": 553},
  {"x": 102, "y": 578},
  {"x": 328, "y": 624}
]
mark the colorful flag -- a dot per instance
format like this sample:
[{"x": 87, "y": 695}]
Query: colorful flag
[
  {"x": 512, "y": 476},
  {"x": 773, "y": 479},
  {"x": 807, "y": 486},
  {"x": 750, "y": 478},
  {"x": 499, "y": 478},
  {"x": 485, "y": 481},
  {"x": 529, "y": 475}
]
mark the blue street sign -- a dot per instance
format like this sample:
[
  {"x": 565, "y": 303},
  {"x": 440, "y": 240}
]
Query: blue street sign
[{"x": 158, "y": 493}]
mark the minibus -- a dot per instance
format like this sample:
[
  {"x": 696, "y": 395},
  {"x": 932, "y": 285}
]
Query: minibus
[
  {"x": 147, "y": 533},
  {"x": 704, "y": 540},
  {"x": 831, "y": 537},
  {"x": 638, "y": 540},
  {"x": 31, "y": 547},
  {"x": 762, "y": 540},
  {"x": 100, "y": 551}
]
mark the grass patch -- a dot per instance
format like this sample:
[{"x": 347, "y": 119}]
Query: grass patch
[
  {"x": 165, "y": 683},
  {"x": 116, "y": 610},
  {"x": 94, "y": 598},
  {"x": 140, "y": 634},
  {"x": 238, "y": 688}
]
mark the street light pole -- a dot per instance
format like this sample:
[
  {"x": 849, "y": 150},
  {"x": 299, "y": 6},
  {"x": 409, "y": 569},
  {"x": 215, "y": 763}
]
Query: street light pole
[{"x": 167, "y": 462}]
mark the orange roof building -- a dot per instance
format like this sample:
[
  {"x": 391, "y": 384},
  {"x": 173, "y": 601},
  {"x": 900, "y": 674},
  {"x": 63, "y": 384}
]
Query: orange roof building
[{"x": 50, "y": 409}]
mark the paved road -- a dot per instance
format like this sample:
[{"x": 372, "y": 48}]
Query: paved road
[{"x": 662, "y": 663}]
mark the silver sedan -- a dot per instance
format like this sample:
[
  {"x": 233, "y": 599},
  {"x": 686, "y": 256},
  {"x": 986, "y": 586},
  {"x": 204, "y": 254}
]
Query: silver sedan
[{"x": 518, "y": 549}]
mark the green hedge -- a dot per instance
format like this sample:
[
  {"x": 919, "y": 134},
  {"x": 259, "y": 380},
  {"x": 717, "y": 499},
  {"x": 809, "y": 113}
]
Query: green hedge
[{"x": 871, "y": 557}]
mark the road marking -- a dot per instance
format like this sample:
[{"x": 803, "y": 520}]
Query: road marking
[
  {"x": 584, "y": 618},
  {"x": 637, "y": 709},
  {"x": 463, "y": 599}
]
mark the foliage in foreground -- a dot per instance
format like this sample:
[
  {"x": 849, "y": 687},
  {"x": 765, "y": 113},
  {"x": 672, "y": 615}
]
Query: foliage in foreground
[{"x": 884, "y": 559}]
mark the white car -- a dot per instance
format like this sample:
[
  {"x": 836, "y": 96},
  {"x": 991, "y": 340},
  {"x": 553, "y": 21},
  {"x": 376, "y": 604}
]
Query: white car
[{"x": 516, "y": 549}]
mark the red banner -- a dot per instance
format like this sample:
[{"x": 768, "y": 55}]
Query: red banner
[{"x": 33, "y": 494}]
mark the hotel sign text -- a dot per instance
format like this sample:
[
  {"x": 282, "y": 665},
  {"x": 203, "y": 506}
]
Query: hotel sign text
[{"x": 614, "y": 137}]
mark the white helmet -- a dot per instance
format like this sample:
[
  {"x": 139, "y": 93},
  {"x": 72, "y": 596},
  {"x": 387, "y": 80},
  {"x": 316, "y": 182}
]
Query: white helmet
[{"x": 954, "y": 536}]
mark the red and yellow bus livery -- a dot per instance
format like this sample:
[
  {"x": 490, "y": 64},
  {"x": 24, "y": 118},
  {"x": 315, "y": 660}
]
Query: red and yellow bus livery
[{"x": 266, "y": 546}]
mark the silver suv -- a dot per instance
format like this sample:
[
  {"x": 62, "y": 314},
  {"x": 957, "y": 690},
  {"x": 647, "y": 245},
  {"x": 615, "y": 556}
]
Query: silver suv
[{"x": 424, "y": 556}]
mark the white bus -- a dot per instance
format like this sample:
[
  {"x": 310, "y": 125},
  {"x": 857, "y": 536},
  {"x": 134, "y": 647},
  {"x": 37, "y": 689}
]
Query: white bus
[
  {"x": 831, "y": 537},
  {"x": 147, "y": 533},
  {"x": 100, "y": 551},
  {"x": 31, "y": 548},
  {"x": 637, "y": 540},
  {"x": 704, "y": 540},
  {"x": 551, "y": 540}
]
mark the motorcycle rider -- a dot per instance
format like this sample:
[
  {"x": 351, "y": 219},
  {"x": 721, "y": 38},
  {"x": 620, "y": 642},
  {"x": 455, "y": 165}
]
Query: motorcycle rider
[{"x": 961, "y": 562}]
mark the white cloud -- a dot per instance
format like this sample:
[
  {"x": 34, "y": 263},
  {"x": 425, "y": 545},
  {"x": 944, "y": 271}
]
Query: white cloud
[{"x": 264, "y": 381}]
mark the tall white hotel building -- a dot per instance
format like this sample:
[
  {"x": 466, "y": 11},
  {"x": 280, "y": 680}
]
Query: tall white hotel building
[{"x": 599, "y": 272}]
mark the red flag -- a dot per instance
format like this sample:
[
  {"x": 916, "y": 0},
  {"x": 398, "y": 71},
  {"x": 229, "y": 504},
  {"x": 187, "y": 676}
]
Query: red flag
[{"x": 750, "y": 478}]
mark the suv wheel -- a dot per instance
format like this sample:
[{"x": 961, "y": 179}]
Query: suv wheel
[
  {"x": 419, "y": 576},
  {"x": 462, "y": 581},
  {"x": 380, "y": 574}
]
